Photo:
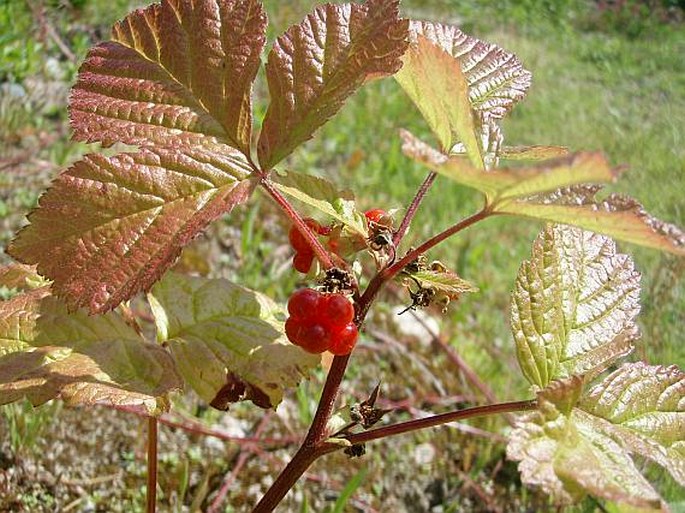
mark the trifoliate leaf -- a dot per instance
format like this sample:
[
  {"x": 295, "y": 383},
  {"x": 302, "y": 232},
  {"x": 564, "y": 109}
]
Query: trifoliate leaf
[
  {"x": 227, "y": 341},
  {"x": 434, "y": 81},
  {"x": 316, "y": 65},
  {"x": 502, "y": 184},
  {"x": 175, "y": 81},
  {"x": 111, "y": 226},
  {"x": 496, "y": 78},
  {"x": 617, "y": 216},
  {"x": 176, "y": 73},
  {"x": 46, "y": 352},
  {"x": 642, "y": 408},
  {"x": 322, "y": 195},
  {"x": 561, "y": 452},
  {"x": 574, "y": 305}
]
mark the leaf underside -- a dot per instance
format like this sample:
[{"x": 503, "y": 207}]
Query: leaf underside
[
  {"x": 175, "y": 81},
  {"x": 561, "y": 190},
  {"x": 570, "y": 451},
  {"x": 574, "y": 305},
  {"x": 46, "y": 352},
  {"x": 227, "y": 341},
  {"x": 316, "y": 65}
]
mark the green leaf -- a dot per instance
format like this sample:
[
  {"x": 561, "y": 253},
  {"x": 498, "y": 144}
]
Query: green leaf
[
  {"x": 617, "y": 216},
  {"x": 574, "y": 305},
  {"x": 316, "y": 65},
  {"x": 324, "y": 197},
  {"x": 502, "y": 184},
  {"x": 642, "y": 408},
  {"x": 434, "y": 81},
  {"x": 496, "y": 78},
  {"x": 445, "y": 282},
  {"x": 227, "y": 341},
  {"x": 46, "y": 352},
  {"x": 110, "y": 226},
  {"x": 176, "y": 73},
  {"x": 561, "y": 452}
]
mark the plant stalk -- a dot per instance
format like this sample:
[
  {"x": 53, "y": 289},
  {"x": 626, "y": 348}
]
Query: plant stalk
[
  {"x": 413, "y": 207},
  {"x": 151, "y": 464}
]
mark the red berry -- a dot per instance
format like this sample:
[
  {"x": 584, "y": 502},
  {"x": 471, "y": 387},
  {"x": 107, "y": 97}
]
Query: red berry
[
  {"x": 375, "y": 215},
  {"x": 293, "y": 328},
  {"x": 314, "y": 338},
  {"x": 336, "y": 310},
  {"x": 302, "y": 261},
  {"x": 297, "y": 240},
  {"x": 344, "y": 340},
  {"x": 305, "y": 304}
]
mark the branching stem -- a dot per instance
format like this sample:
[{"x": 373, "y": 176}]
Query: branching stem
[{"x": 413, "y": 207}]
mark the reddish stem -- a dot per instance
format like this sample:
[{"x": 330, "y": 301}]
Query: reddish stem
[
  {"x": 151, "y": 464},
  {"x": 437, "y": 420},
  {"x": 320, "y": 252},
  {"x": 413, "y": 207}
]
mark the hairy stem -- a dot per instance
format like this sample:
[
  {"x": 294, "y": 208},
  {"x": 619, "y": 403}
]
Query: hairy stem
[
  {"x": 390, "y": 272},
  {"x": 413, "y": 207},
  {"x": 151, "y": 464},
  {"x": 319, "y": 251},
  {"x": 443, "y": 418}
]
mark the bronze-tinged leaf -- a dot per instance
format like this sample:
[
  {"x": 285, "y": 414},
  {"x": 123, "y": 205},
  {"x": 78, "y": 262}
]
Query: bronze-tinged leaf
[
  {"x": 110, "y": 226},
  {"x": 21, "y": 277},
  {"x": 574, "y": 305},
  {"x": 179, "y": 72},
  {"x": 316, "y": 65},
  {"x": 227, "y": 341},
  {"x": 496, "y": 78},
  {"x": 535, "y": 152},
  {"x": 617, "y": 216},
  {"x": 46, "y": 352},
  {"x": 434, "y": 81}
]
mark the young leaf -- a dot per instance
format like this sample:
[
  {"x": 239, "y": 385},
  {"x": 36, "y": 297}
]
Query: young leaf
[
  {"x": 617, "y": 216},
  {"x": 110, "y": 226},
  {"x": 46, "y": 352},
  {"x": 502, "y": 184},
  {"x": 574, "y": 305},
  {"x": 496, "y": 78},
  {"x": 326, "y": 198},
  {"x": 226, "y": 340},
  {"x": 316, "y": 65},
  {"x": 176, "y": 73},
  {"x": 434, "y": 81},
  {"x": 642, "y": 408},
  {"x": 563, "y": 454}
]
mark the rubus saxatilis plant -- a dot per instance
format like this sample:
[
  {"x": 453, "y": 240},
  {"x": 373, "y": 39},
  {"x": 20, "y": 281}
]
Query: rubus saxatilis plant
[{"x": 175, "y": 82}]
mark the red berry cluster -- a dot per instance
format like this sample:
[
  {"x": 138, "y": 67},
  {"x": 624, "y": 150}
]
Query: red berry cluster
[
  {"x": 321, "y": 322},
  {"x": 304, "y": 255}
]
